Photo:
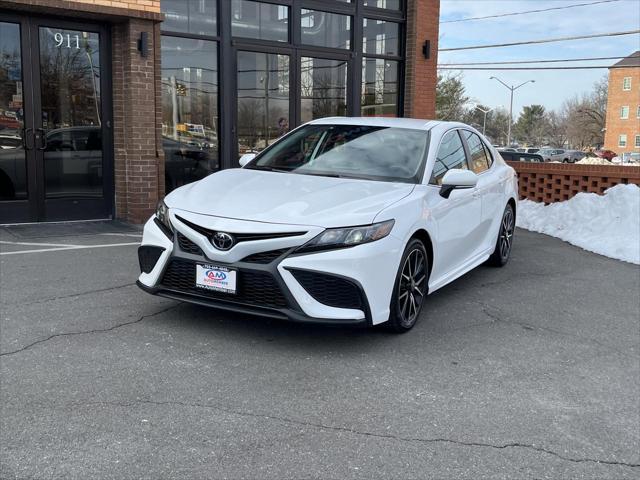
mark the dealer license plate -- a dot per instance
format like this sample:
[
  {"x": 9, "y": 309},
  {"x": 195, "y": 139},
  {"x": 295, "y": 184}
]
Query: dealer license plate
[{"x": 219, "y": 279}]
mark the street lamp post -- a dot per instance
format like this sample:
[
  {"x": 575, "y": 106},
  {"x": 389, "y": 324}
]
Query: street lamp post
[
  {"x": 484, "y": 122},
  {"x": 512, "y": 89}
]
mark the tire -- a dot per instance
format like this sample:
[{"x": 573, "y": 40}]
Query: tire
[
  {"x": 410, "y": 288},
  {"x": 502, "y": 252}
]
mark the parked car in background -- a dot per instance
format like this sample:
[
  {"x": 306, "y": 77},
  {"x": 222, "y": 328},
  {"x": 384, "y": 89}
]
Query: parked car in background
[
  {"x": 521, "y": 157},
  {"x": 575, "y": 155},
  {"x": 554, "y": 155},
  {"x": 606, "y": 154},
  {"x": 533, "y": 150}
]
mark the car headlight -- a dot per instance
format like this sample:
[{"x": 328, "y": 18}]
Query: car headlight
[
  {"x": 162, "y": 215},
  {"x": 347, "y": 237}
]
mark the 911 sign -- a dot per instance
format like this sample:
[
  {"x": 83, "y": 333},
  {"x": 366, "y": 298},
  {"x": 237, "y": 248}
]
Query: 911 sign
[{"x": 67, "y": 41}]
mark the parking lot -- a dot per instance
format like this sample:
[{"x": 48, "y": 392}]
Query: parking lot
[{"x": 530, "y": 371}]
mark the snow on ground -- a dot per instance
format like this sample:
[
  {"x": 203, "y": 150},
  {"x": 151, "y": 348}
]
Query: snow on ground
[
  {"x": 594, "y": 161},
  {"x": 607, "y": 224}
]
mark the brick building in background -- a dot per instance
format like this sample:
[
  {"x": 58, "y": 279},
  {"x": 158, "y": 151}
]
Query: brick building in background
[
  {"x": 622, "y": 133},
  {"x": 105, "y": 105}
]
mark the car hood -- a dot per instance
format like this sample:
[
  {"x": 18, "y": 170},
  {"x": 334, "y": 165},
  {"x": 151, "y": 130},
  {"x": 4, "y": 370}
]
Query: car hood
[{"x": 286, "y": 198}]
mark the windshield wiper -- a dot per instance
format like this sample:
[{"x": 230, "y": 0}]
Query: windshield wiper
[{"x": 269, "y": 169}]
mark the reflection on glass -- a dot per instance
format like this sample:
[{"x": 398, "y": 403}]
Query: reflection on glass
[
  {"x": 189, "y": 110},
  {"x": 264, "y": 21},
  {"x": 323, "y": 85},
  {"x": 324, "y": 29},
  {"x": 390, "y": 4},
  {"x": 379, "y": 88},
  {"x": 380, "y": 37},
  {"x": 70, "y": 97},
  {"x": 189, "y": 16},
  {"x": 263, "y": 99},
  {"x": 13, "y": 167}
]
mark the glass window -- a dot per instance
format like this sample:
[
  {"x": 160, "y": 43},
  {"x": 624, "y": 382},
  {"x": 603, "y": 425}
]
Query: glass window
[
  {"x": 624, "y": 112},
  {"x": 380, "y": 37},
  {"x": 323, "y": 86},
  {"x": 479, "y": 162},
  {"x": 324, "y": 29},
  {"x": 264, "y": 21},
  {"x": 13, "y": 165},
  {"x": 379, "y": 88},
  {"x": 189, "y": 109},
  {"x": 490, "y": 155},
  {"x": 626, "y": 83},
  {"x": 622, "y": 141},
  {"x": 637, "y": 141},
  {"x": 352, "y": 151},
  {"x": 390, "y": 4},
  {"x": 638, "y": 112},
  {"x": 450, "y": 155},
  {"x": 189, "y": 16},
  {"x": 263, "y": 99}
]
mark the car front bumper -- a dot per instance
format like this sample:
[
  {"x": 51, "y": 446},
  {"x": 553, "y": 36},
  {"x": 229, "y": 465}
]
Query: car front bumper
[{"x": 350, "y": 286}]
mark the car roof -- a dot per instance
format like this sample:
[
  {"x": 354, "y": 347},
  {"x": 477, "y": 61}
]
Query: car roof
[{"x": 412, "y": 123}]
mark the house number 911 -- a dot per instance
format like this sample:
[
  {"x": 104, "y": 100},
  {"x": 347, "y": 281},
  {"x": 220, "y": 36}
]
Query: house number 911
[{"x": 67, "y": 41}]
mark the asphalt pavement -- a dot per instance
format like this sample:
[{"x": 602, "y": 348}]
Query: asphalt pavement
[{"x": 530, "y": 371}]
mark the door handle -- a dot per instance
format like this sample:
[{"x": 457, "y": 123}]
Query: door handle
[
  {"x": 43, "y": 139},
  {"x": 25, "y": 136}
]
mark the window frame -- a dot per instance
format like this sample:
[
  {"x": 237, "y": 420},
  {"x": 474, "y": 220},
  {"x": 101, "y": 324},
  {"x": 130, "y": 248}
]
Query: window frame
[
  {"x": 637, "y": 141},
  {"x": 624, "y": 112},
  {"x": 624, "y": 84},
  {"x": 620, "y": 141}
]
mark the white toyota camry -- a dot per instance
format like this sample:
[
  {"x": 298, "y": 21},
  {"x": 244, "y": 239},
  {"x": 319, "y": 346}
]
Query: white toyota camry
[{"x": 343, "y": 220}]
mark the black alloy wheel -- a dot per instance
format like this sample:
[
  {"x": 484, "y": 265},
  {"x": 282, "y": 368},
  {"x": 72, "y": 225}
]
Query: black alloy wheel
[
  {"x": 502, "y": 252},
  {"x": 410, "y": 288}
]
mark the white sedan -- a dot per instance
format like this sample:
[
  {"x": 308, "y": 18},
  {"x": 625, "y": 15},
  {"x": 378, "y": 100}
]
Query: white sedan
[{"x": 343, "y": 220}]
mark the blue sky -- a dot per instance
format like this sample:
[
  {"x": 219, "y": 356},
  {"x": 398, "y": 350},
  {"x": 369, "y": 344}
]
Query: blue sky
[{"x": 554, "y": 86}]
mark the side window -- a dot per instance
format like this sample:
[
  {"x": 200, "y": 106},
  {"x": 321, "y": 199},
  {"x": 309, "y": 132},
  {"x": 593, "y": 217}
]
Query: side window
[
  {"x": 487, "y": 152},
  {"x": 450, "y": 155},
  {"x": 479, "y": 162}
]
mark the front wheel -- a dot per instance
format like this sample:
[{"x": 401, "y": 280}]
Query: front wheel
[
  {"x": 502, "y": 252},
  {"x": 410, "y": 288}
]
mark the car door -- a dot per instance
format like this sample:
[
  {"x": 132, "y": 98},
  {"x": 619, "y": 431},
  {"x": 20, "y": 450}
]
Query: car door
[
  {"x": 488, "y": 188},
  {"x": 458, "y": 217}
]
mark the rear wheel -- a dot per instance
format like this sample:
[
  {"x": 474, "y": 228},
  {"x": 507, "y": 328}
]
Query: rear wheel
[
  {"x": 502, "y": 252},
  {"x": 410, "y": 289}
]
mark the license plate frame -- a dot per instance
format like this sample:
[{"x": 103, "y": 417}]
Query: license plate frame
[{"x": 217, "y": 278}]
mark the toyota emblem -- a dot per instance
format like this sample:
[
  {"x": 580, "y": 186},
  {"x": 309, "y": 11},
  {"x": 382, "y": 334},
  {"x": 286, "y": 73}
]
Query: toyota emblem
[{"x": 222, "y": 241}]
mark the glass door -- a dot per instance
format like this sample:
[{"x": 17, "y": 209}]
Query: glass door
[
  {"x": 54, "y": 161},
  {"x": 70, "y": 128},
  {"x": 263, "y": 99}
]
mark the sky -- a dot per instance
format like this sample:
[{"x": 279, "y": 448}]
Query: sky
[{"x": 552, "y": 87}]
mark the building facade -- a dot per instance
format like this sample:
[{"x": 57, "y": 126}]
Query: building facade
[
  {"x": 107, "y": 105},
  {"x": 622, "y": 133}
]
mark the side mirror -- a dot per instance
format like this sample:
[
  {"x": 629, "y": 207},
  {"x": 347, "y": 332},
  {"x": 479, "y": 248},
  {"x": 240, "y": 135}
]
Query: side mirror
[
  {"x": 246, "y": 158},
  {"x": 457, "y": 179}
]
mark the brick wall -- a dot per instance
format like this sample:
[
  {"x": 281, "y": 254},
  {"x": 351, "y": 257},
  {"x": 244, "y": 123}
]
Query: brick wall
[
  {"x": 617, "y": 98},
  {"x": 423, "y": 17},
  {"x": 127, "y": 8},
  {"x": 139, "y": 158},
  {"x": 551, "y": 182}
]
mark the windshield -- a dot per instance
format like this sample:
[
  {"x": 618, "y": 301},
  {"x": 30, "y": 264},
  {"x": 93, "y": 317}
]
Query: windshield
[{"x": 350, "y": 151}]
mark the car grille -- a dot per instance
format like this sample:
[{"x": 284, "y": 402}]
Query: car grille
[
  {"x": 148, "y": 257},
  {"x": 265, "y": 257},
  {"x": 254, "y": 287},
  {"x": 188, "y": 246},
  {"x": 329, "y": 289},
  {"x": 239, "y": 237}
]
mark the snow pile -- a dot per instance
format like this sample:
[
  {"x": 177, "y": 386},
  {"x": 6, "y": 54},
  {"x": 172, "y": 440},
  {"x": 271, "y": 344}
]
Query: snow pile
[
  {"x": 594, "y": 161},
  {"x": 607, "y": 224}
]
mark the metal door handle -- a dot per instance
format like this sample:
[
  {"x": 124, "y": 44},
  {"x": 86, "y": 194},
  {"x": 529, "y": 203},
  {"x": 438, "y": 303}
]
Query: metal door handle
[
  {"x": 43, "y": 139},
  {"x": 25, "y": 135}
]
